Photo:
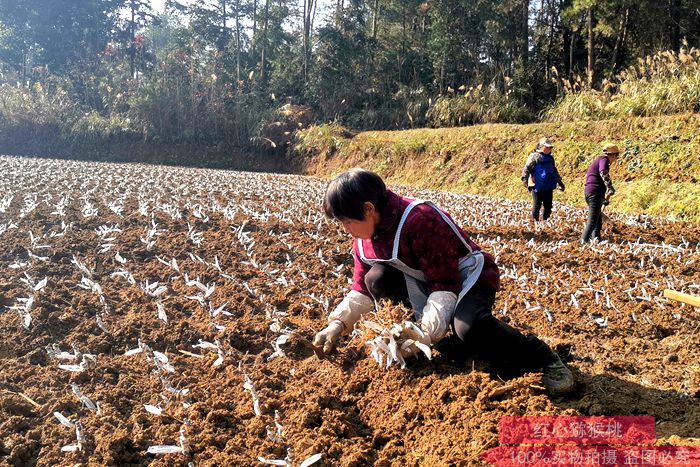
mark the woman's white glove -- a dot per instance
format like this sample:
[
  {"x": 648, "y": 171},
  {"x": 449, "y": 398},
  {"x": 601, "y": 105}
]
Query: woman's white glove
[
  {"x": 432, "y": 326},
  {"x": 349, "y": 311},
  {"x": 414, "y": 339},
  {"x": 343, "y": 318},
  {"x": 437, "y": 314},
  {"x": 328, "y": 337}
]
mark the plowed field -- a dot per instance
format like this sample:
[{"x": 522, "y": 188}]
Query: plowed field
[{"x": 155, "y": 306}]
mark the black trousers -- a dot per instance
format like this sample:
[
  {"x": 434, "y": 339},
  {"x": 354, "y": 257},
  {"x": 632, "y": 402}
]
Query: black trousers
[
  {"x": 473, "y": 325},
  {"x": 594, "y": 223},
  {"x": 539, "y": 199}
]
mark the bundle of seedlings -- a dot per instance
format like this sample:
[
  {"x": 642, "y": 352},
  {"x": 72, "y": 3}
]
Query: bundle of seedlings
[{"x": 392, "y": 336}]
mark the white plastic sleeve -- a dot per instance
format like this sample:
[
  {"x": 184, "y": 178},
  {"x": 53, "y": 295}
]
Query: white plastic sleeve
[
  {"x": 349, "y": 311},
  {"x": 438, "y": 313}
]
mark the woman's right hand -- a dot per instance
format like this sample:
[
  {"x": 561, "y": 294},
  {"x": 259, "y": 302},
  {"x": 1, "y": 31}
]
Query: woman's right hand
[{"x": 328, "y": 337}]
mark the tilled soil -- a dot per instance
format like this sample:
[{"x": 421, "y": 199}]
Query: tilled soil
[{"x": 255, "y": 260}]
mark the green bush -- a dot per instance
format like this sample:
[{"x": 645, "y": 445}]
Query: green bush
[
  {"x": 36, "y": 105},
  {"x": 321, "y": 140},
  {"x": 95, "y": 127}
]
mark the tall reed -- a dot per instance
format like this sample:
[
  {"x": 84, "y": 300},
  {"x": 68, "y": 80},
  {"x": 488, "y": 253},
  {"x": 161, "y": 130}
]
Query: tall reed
[{"x": 665, "y": 83}]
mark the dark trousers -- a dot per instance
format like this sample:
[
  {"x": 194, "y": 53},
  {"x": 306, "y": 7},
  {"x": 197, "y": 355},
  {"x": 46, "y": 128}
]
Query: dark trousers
[
  {"x": 594, "y": 223},
  {"x": 473, "y": 324},
  {"x": 386, "y": 282},
  {"x": 539, "y": 199}
]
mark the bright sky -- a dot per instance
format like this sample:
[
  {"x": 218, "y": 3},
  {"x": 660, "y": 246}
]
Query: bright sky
[{"x": 158, "y": 5}]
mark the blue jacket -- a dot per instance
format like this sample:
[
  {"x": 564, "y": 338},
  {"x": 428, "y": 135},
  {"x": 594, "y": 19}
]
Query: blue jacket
[{"x": 543, "y": 170}]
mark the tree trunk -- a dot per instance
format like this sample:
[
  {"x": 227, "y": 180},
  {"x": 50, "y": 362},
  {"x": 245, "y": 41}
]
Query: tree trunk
[
  {"x": 540, "y": 14},
  {"x": 402, "y": 58},
  {"x": 550, "y": 38},
  {"x": 442, "y": 74},
  {"x": 572, "y": 46},
  {"x": 309, "y": 6},
  {"x": 224, "y": 33},
  {"x": 263, "y": 54},
  {"x": 23, "y": 68},
  {"x": 622, "y": 33},
  {"x": 304, "y": 43},
  {"x": 674, "y": 25},
  {"x": 524, "y": 34},
  {"x": 255, "y": 27},
  {"x": 590, "y": 46},
  {"x": 338, "y": 11},
  {"x": 132, "y": 46},
  {"x": 237, "y": 6},
  {"x": 375, "y": 19}
]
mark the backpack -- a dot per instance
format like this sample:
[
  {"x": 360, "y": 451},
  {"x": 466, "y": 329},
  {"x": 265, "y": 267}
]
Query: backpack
[{"x": 545, "y": 173}]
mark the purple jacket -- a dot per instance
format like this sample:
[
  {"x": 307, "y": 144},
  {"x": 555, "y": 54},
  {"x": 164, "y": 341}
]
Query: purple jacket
[
  {"x": 427, "y": 244},
  {"x": 594, "y": 181}
]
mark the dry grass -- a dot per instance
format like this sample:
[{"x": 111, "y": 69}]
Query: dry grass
[
  {"x": 388, "y": 314},
  {"x": 665, "y": 83},
  {"x": 487, "y": 159},
  {"x": 479, "y": 104}
]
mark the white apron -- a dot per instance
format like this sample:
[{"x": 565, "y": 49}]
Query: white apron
[{"x": 470, "y": 265}]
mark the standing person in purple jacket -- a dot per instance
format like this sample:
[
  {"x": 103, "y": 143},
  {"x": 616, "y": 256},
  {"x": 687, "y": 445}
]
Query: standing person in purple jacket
[
  {"x": 541, "y": 169},
  {"x": 598, "y": 190},
  {"x": 411, "y": 251}
]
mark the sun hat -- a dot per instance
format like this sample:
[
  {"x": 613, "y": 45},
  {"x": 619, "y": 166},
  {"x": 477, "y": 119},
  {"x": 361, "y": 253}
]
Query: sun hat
[
  {"x": 546, "y": 142},
  {"x": 611, "y": 149}
]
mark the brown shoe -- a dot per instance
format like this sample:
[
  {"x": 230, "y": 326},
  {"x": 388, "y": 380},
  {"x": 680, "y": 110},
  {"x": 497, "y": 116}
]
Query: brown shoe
[{"x": 557, "y": 378}]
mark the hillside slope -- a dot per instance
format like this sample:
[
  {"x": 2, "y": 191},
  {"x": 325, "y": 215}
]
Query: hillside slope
[{"x": 657, "y": 174}]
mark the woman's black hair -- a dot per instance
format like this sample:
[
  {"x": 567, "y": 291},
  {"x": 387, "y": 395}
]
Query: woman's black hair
[{"x": 347, "y": 194}]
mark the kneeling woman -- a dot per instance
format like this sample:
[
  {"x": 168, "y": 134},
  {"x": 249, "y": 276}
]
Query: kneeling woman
[{"x": 410, "y": 251}]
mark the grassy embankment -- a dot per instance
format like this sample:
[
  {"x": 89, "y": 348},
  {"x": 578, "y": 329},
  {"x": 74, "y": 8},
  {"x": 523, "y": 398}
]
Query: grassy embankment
[{"x": 658, "y": 173}]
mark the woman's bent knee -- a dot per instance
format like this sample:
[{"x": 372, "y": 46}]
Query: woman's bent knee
[{"x": 461, "y": 329}]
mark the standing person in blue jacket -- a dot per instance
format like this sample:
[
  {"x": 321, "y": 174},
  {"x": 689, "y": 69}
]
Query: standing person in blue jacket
[{"x": 541, "y": 177}]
